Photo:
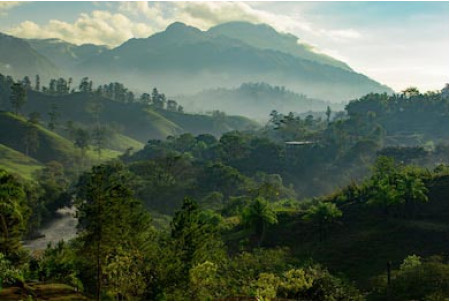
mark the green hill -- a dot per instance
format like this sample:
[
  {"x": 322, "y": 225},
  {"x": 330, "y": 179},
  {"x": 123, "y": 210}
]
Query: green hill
[
  {"x": 119, "y": 142},
  {"x": 16, "y": 162},
  {"x": 50, "y": 147},
  {"x": 135, "y": 122}
]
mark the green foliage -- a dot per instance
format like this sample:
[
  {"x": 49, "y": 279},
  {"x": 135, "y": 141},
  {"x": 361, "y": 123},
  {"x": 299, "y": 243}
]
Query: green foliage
[
  {"x": 18, "y": 97},
  {"x": 294, "y": 282},
  {"x": 203, "y": 281},
  {"x": 323, "y": 214},
  {"x": 257, "y": 216},
  {"x": 266, "y": 286},
  {"x": 8, "y": 273},
  {"x": 125, "y": 274},
  {"x": 113, "y": 222},
  {"x": 59, "y": 264},
  {"x": 416, "y": 279},
  {"x": 392, "y": 186},
  {"x": 13, "y": 213}
]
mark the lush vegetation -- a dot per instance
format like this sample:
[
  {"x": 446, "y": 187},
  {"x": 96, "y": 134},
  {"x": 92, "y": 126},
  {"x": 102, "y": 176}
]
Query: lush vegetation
[{"x": 336, "y": 206}]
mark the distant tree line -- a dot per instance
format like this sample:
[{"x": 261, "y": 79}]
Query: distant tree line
[{"x": 114, "y": 91}]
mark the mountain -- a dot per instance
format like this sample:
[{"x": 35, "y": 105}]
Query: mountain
[
  {"x": 184, "y": 59},
  {"x": 254, "y": 100},
  {"x": 265, "y": 37},
  {"x": 18, "y": 58},
  {"x": 63, "y": 54}
]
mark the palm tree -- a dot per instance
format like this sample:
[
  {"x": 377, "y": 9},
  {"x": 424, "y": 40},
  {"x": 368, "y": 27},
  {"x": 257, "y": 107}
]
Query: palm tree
[
  {"x": 257, "y": 216},
  {"x": 413, "y": 190},
  {"x": 323, "y": 214}
]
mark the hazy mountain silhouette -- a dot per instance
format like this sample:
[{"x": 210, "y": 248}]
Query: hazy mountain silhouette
[
  {"x": 64, "y": 54},
  {"x": 18, "y": 58},
  {"x": 184, "y": 59}
]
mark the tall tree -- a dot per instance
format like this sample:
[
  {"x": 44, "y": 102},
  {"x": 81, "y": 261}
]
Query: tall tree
[
  {"x": 26, "y": 82},
  {"x": 323, "y": 214},
  {"x": 54, "y": 116},
  {"x": 258, "y": 215},
  {"x": 18, "y": 97},
  {"x": 113, "y": 222},
  {"x": 82, "y": 139},
  {"x": 37, "y": 86},
  {"x": 31, "y": 138},
  {"x": 328, "y": 113}
]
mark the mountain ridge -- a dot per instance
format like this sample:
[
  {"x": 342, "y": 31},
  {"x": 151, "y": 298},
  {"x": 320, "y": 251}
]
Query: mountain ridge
[{"x": 183, "y": 59}]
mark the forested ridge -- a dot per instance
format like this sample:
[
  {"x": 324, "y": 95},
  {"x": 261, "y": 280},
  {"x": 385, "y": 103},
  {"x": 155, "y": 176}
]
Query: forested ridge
[{"x": 331, "y": 205}]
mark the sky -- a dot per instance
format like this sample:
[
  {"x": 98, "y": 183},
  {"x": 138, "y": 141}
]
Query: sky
[{"x": 399, "y": 44}]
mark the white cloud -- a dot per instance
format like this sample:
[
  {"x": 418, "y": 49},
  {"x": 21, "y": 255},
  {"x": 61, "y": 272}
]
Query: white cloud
[{"x": 98, "y": 27}]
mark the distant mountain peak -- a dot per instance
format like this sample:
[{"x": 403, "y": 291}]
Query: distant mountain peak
[{"x": 181, "y": 27}]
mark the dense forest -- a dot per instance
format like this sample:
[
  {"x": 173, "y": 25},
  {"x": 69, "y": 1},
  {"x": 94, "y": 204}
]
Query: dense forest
[{"x": 327, "y": 205}]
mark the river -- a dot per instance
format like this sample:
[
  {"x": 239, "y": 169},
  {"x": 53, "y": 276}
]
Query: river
[{"x": 61, "y": 228}]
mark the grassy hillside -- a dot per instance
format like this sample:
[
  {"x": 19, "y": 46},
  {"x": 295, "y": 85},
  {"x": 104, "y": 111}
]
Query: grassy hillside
[
  {"x": 51, "y": 146},
  {"x": 135, "y": 121},
  {"x": 16, "y": 162},
  {"x": 119, "y": 142},
  {"x": 130, "y": 119}
]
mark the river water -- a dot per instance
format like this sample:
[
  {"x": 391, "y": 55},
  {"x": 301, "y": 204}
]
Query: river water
[{"x": 61, "y": 228}]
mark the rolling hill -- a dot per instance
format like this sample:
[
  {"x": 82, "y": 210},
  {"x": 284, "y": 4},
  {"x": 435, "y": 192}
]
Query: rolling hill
[
  {"x": 17, "y": 162},
  {"x": 134, "y": 122},
  {"x": 50, "y": 147}
]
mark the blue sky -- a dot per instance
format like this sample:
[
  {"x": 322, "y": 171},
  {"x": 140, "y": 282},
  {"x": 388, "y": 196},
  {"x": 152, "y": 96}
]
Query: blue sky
[{"x": 399, "y": 44}]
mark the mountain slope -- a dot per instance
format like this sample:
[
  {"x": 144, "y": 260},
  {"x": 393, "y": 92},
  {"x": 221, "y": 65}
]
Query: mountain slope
[
  {"x": 63, "y": 54},
  {"x": 183, "y": 59},
  {"x": 16, "y": 162},
  {"x": 134, "y": 123},
  {"x": 51, "y": 146},
  {"x": 265, "y": 37},
  {"x": 19, "y": 59}
]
